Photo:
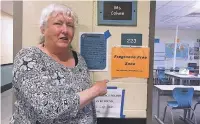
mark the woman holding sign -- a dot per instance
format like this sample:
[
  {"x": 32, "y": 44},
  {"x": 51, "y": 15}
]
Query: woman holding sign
[{"x": 51, "y": 82}]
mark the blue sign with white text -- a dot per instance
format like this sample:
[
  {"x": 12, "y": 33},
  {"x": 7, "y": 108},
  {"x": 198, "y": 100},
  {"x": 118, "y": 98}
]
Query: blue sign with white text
[{"x": 93, "y": 48}]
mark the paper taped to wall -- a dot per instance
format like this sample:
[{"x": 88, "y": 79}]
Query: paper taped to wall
[
  {"x": 130, "y": 62},
  {"x": 111, "y": 104},
  {"x": 93, "y": 48}
]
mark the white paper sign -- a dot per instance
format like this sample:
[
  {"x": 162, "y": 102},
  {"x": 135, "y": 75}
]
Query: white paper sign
[{"x": 110, "y": 105}]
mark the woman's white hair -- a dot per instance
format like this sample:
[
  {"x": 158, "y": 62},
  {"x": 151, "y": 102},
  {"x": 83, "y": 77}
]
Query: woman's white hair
[{"x": 53, "y": 10}]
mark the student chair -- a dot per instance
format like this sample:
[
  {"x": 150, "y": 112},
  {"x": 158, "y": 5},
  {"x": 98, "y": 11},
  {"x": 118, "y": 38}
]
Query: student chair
[
  {"x": 176, "y": 69},
  {"x": 183, "y": 100},
  {"x": 161, "y": 76},
  {"x": 198, "y": 102},
  {"x": 190, "y": 68}
]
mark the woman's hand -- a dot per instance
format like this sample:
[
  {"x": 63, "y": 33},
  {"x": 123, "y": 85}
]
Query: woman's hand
[{"x": 100, "y": 88}]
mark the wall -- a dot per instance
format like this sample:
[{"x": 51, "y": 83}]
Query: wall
[
  {"x": 136, "y": 89},
  {"x": 6, "y": 48},
  {"x": 6, "y": 74},
  {"x": 6, "y": 38},
  {"x": 185, "y": 36}
]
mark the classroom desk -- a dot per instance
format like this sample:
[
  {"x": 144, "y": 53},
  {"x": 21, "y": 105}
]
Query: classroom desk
[
  {"x": 160, "y": 89},
  {"x": 181, "y": 77}
]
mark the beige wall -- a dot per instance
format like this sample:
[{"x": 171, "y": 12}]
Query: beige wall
[
  {"x": 136, "y": 89},
  {"x": 6, "y": 38}
]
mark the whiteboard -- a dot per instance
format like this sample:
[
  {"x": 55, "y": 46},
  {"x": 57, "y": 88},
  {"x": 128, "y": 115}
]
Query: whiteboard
[{"x": 159, "y": 55}]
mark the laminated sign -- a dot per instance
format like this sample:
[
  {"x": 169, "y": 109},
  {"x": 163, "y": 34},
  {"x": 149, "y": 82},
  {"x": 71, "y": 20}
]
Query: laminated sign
[{"x": 111, "y": 104}]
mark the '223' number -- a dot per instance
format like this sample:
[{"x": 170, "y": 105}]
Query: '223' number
[{"x": 131, "y": 40}]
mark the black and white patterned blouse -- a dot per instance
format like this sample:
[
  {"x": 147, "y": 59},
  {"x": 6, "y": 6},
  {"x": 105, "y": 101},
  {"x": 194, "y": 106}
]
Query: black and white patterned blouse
[{"x": 46, "y": 91}]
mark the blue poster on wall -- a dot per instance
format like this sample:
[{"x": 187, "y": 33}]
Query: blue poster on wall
[
  {"x": 93, "y": 48},
  {"x": 182, "y": 50}
]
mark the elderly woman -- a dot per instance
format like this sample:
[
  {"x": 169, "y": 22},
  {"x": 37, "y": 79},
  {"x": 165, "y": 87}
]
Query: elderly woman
[{"x": 51, "y": 82}]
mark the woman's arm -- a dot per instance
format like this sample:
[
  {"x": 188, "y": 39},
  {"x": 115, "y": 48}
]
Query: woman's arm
[{"x": 98, "y": 89}]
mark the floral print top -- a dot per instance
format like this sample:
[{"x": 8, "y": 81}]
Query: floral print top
[{"x": 46, "y": 91}]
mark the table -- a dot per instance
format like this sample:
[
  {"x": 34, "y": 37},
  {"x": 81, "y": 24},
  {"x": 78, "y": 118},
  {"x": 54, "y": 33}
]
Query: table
[
  {"x": 182, "y": 77},
  {"x": 160, "y": 89}
]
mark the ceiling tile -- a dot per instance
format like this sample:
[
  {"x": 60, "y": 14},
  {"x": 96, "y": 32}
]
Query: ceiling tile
[
  {"x": 166, "y": 10},
  {"x": 182, "y": 11},
  {"x": 196, "y": 26},
  {"x": 186, "y": 20},
  {"x": 172, "y": 13},
  {"x": 161, "y": 3},
  {"x": 158, "y": 7},
  {"x": 169, "y": 19},
  {"x": 180, "y": 3}
]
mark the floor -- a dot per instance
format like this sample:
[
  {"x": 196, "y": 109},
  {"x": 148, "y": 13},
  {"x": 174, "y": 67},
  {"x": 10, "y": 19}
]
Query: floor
[
  {"x": 177, "y": 113},
  {"x": 6, "y": 109}
]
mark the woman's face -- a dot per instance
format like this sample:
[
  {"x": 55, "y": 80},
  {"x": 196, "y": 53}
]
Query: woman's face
[{"x": 59, "y": 31}]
